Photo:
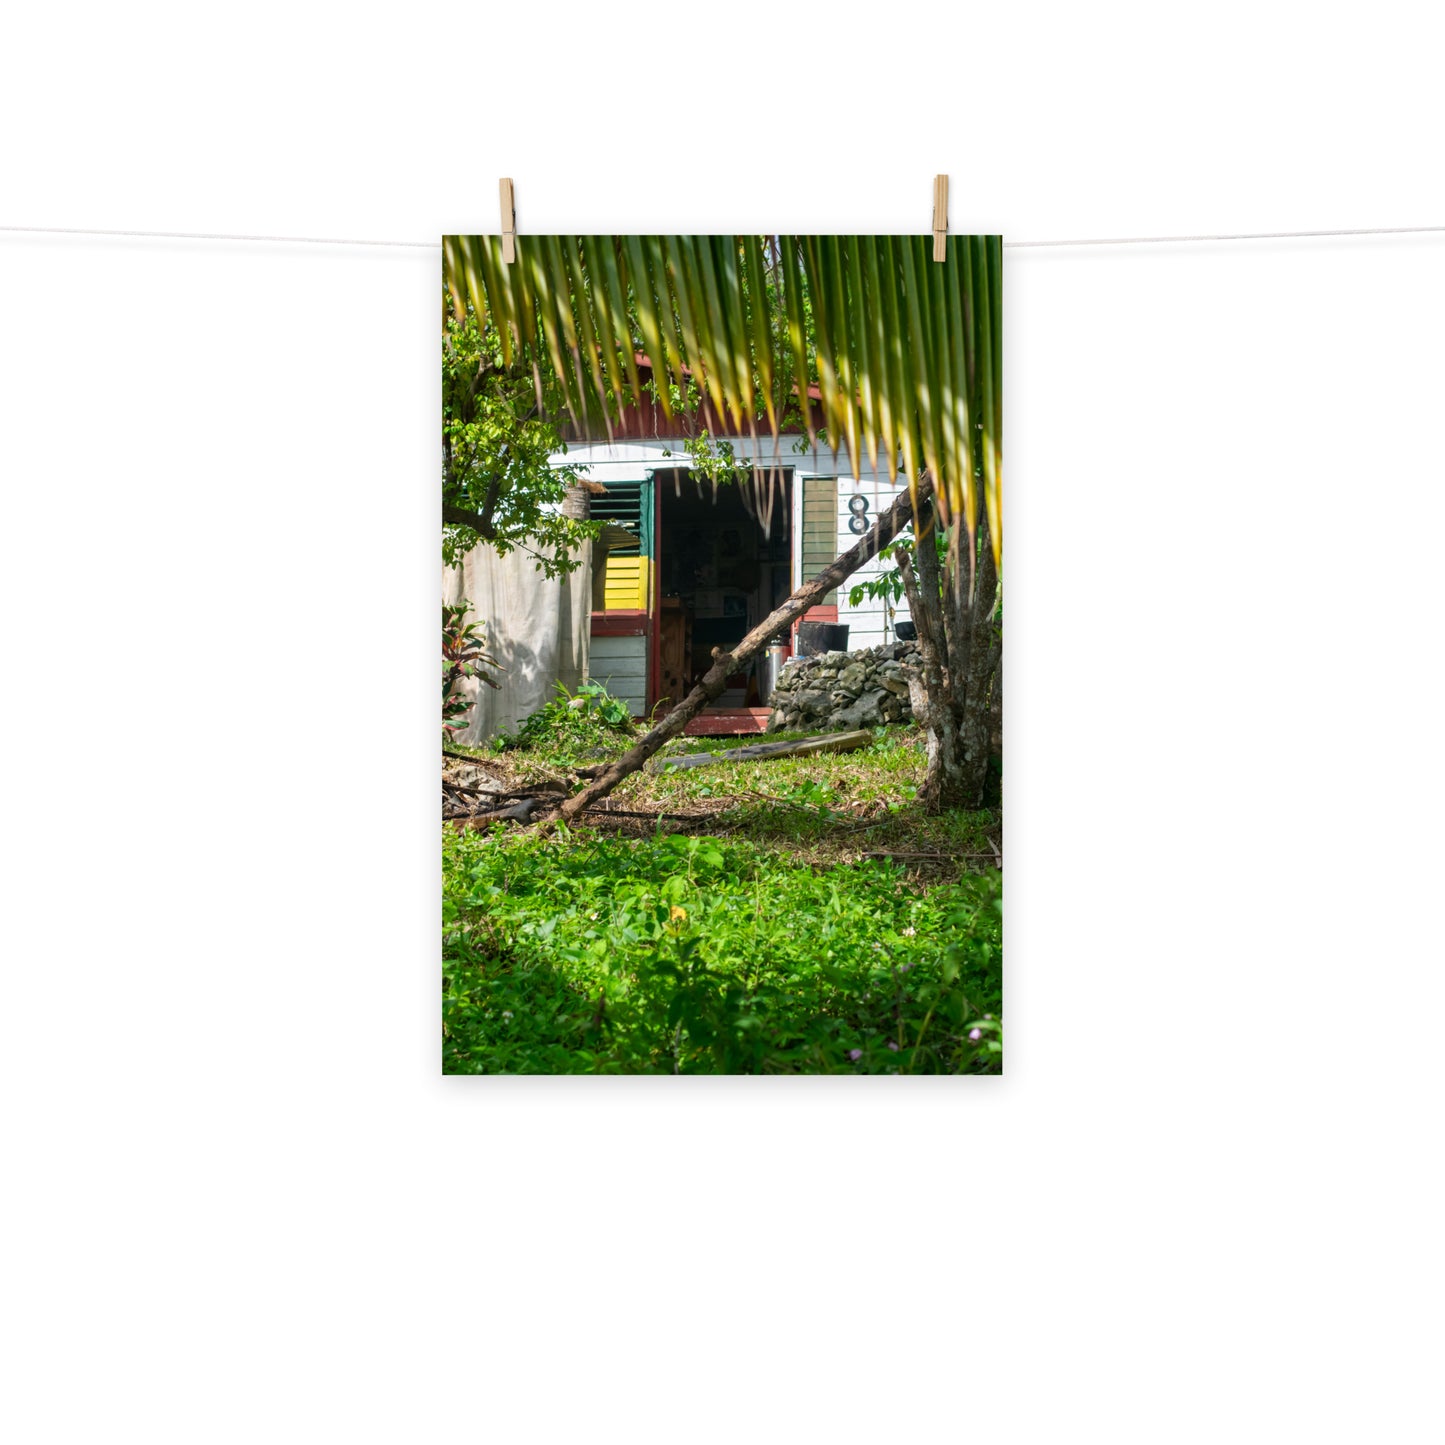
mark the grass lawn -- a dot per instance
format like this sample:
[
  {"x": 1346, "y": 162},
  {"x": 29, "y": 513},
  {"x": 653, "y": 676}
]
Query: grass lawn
[{"x": 799, "y": 915}]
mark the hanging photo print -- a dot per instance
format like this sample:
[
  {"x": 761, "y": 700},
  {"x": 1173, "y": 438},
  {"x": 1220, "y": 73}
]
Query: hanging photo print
[{"x": 722, "y": 637}]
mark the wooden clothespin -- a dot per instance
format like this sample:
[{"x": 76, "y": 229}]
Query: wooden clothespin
[
  {"x": 509, "y": 222},
  {"x": 940, "y": 218}
]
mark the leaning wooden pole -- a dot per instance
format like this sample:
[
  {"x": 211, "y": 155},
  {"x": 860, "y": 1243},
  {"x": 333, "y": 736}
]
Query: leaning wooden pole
[{"x": 883, "y": 531}]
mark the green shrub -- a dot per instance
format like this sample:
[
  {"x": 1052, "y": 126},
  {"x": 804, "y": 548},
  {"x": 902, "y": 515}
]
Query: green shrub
[
  {"x": 464, "y": 655},
  {"x": 573, "y": 722}
]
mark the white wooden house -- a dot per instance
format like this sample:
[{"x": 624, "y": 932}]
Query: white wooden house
[{"x": 703, "y": 569}]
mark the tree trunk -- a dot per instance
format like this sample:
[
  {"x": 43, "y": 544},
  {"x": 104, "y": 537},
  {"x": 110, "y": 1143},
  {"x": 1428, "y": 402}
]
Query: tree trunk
[
  {"x": 962, "y": 676},
  {"x": 882, "y": 532}
]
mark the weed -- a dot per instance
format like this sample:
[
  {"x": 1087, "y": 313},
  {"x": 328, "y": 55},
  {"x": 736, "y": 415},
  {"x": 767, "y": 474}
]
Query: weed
[
  {"x": 577, "y": 953},
  {"x": 573, "y": 723}
]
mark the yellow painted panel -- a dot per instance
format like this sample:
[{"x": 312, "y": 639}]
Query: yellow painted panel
[{"x": 628, "y": 583}]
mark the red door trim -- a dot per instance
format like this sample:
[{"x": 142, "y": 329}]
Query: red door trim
[
  {"x": 654, "y": 623},
  {"x": 631, "y": 622}
]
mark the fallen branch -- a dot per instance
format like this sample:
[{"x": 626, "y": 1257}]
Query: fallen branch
[
  {"x": 888, "y": 525},
  {"x": 452, "y": 787},
  {"x": 502, "y": 795},
  {"x": 518, "y": 812}
]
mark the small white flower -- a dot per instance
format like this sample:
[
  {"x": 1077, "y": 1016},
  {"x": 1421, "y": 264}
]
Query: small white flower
[
  {"x": 506, "y": 1013},
  {"x": 909, "y": 932}
]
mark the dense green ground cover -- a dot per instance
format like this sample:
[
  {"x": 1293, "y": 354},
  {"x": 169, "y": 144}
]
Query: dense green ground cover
[{"x": 582, "y": 953}]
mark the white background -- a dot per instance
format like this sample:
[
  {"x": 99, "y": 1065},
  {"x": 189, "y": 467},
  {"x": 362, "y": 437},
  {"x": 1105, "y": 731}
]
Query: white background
[{"x": 1203, "y": 1204}]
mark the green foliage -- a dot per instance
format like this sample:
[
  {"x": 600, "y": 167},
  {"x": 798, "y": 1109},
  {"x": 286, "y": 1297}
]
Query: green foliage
[
  {"x": 498, "y": 436},
  {"x": 576, "y": 954},
  {"x": 887, "y": 584},
  {"x": 715, "y": 460},
  {"x": 907, "y": 351},
  {"x": 572, "y": 724},
  {"x": 890, "y": 583},
  {"x": 463, "y": 655}
]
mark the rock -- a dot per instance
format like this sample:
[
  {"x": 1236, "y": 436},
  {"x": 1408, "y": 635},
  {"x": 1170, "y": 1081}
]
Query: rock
[
  {"x": 866, "y": 712},
  {"x": 894, "y": 684}
]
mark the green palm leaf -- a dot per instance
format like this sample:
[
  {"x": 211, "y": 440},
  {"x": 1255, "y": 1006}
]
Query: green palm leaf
[
  {"x": 648, "y": 317},
  {"x": 907, "y": 351}
]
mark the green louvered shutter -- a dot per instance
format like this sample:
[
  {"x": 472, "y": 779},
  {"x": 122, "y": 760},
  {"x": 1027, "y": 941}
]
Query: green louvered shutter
[{"x": 820, "y": 529}]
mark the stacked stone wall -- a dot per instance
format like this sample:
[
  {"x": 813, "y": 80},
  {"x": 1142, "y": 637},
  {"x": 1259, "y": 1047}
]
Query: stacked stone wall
[{"x": 842, "y": 690}]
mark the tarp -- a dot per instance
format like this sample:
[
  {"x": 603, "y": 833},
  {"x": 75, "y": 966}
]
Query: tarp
[{"x": 539, "y": 629}]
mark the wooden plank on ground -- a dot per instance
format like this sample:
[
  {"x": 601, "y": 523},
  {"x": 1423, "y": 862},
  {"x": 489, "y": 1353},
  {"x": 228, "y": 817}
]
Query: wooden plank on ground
[{"x": 828, "y": 743}]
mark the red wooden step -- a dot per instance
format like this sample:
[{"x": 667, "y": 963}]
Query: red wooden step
[{"x": 728, "y": 722}]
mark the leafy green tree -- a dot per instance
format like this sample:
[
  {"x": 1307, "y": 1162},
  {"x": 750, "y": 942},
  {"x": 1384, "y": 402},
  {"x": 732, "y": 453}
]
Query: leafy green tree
[{"x": 499, "y": 434}]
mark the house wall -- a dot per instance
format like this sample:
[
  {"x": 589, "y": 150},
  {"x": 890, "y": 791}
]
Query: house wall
[
  {"x": 870, "y": 623},
  {"x": 620, "y": 665}
]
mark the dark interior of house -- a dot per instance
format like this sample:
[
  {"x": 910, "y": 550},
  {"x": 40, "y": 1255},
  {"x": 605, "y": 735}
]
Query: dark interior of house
[{"x": 721, "y": 571}]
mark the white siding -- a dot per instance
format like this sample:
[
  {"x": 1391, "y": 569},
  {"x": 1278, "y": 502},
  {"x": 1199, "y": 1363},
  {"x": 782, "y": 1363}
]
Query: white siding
[{"x": 870, "y": 624}]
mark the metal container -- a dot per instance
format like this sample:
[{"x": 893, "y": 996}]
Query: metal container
[
  {"x": 771, "y": 668},
  {"x": 815, "y": 638}
]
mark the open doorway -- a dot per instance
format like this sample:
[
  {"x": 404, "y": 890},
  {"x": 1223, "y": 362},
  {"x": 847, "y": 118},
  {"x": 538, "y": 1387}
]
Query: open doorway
[{"x": 724, "y": 562}]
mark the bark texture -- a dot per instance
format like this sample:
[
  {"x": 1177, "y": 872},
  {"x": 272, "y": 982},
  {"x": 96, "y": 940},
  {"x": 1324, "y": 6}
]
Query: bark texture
[
  {"x": 888, "y": 525},
  {"x": 962, "y": 675}
]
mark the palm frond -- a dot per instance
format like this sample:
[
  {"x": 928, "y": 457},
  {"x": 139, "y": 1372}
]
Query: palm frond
[{"x": 907, "y": 351}]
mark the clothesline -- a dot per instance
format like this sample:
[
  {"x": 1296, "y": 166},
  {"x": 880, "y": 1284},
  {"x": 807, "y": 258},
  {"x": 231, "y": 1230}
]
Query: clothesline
[{"x": 1228, "y": 236}]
